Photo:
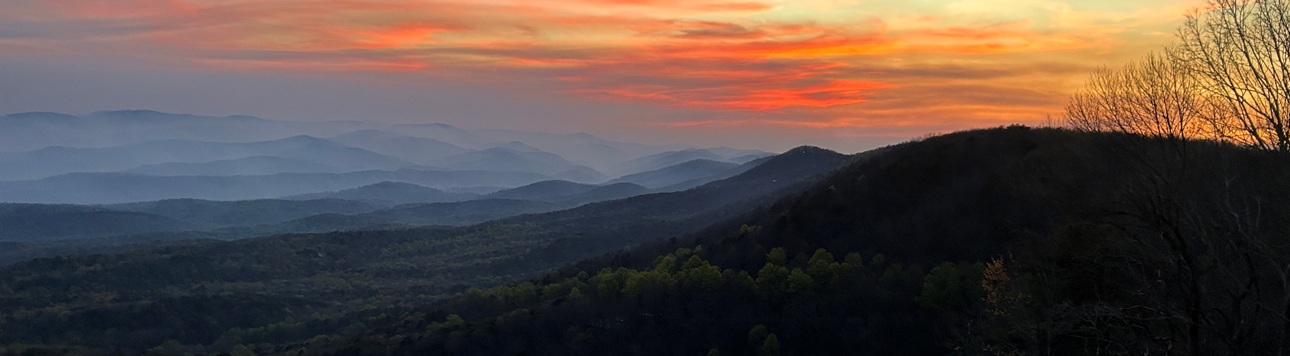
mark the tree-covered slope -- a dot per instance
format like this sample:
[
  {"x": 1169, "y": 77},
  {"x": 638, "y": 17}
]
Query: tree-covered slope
[
  {"x": 288, "y": 288},
  {"x": 543, "y": 191},
  {"x": 207, "y": 214},
  {"x": 389, "y": 194},
  {"x": 42, "y": 222},
  {"x": 1003, "y": 241}
]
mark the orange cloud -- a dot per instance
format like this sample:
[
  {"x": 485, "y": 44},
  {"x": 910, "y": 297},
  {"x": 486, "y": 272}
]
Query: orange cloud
[
  {"x": 770, "y": 60},
  {"x": 400, "y": 36},
  {"x": 754, "y": 99}
]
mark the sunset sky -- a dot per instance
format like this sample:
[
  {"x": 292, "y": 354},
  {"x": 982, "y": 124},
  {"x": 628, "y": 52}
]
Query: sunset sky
[{"x": 847, "y": 75}]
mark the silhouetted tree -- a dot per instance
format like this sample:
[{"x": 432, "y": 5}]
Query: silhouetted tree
[
  {"x": 1152, "y": 96},
  {"x": 1239, "y": 53},
  {"x": 771, "y": 346}
]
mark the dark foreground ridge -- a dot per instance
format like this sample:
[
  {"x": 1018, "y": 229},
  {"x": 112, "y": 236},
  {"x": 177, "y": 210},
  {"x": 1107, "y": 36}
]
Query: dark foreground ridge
[{"x": 1016, "y": 240}]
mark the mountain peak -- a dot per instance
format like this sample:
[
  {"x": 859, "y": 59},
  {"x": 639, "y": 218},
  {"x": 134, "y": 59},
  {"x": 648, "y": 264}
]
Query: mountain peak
[
  {"x": 804, "y": 157},
  {"x": 543, "y": 190},
  {"x": 810, "y": 150}
]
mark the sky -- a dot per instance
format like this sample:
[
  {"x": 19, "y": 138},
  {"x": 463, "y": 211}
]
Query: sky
[{"x": 767, "y": 74}]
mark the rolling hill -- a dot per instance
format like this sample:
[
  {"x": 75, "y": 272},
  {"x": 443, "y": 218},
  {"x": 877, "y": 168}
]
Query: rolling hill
[
  {"x": 254, "y": 165},
  {"x": 664, "y": 159},
  {"x": 581, "y": 148},
  {"x": 389, "y": 194},
  {"x": 43, "y": 223},
  {"x": 569, "y": 193},
  {"x": 419, "y": 150},
  {"x": 58, "y": 160},
  {"x": 206, "y": 215},
  {"x": 319, "y": 281},
  {"x": 462, "y": 213},
  {"x": 108, "y": 188},
  {"x": 698, "y": 171},
  {"x": 1004, "y": 240},
  {"x": 604, "y": 193},
  {"x": 31, "y": 131},
  {"x": 543, "y": 191},
  {"x": 141, "y": 155},
  {"x": 510, "y": 159}
]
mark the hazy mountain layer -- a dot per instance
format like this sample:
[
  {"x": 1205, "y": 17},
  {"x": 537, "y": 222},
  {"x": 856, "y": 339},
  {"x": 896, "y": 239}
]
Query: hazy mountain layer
[
  {"x": 207, "y": 215},
  {"x": 390, "y": 193},
  {"x": 37, "y": 223},
  {"x": 509, "y": 159},
  {"x": 255, "y": 165},
  {"x": 105, "y": 188},
  {"x": 56, "y": 158},
  {"x": 32, "y": 131},
  {"x": 420, "y": 150},
  {"x": 698, "y": 171},
  {"x": 320, "y": 280},
  {"x": 62, "y": 160}
]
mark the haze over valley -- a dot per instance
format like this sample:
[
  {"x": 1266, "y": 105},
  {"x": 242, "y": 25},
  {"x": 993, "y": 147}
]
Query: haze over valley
[{"x": 127, "y": 173}]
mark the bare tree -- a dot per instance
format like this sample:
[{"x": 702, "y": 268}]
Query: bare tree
[
  {"x": 1210, "y": 252},
  {"x": 1239, "y": 51},
  {"x": 1153, "y": 96}
]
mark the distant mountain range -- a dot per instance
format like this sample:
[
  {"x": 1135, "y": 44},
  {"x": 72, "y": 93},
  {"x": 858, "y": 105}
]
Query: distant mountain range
[
  {"x": 320, "y": 275},
  {"x": 233, "y": 206},
  {"x": 379, "y": 205},
  {"x": 683, "y": 175},
  {"x": 138, "y": 155},
  {"x": 108, "y": 188},
  {"x": 44, "y": 229},
  {"x": 292, "y": 152}
]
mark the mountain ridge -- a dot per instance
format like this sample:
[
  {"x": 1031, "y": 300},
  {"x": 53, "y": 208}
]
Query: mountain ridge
[{"x": 427, "y": 263}]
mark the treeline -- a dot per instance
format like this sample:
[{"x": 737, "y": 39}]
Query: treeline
[{"x": 697, "y": 307}]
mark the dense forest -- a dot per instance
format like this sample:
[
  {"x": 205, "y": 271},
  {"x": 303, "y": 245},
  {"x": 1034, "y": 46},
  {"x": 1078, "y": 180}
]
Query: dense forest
[
  {"x": 1007, "y": 241},
  {"x": 286, "y": 288}
]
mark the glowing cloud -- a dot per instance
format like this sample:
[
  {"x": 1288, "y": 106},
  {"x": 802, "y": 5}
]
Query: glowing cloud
[{"x": 809, "y": 64}]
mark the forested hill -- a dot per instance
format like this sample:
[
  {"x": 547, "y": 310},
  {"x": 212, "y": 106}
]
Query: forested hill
[
  {"x": 210, "y": 296},
  {"x": 1012, "y": 241}
]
